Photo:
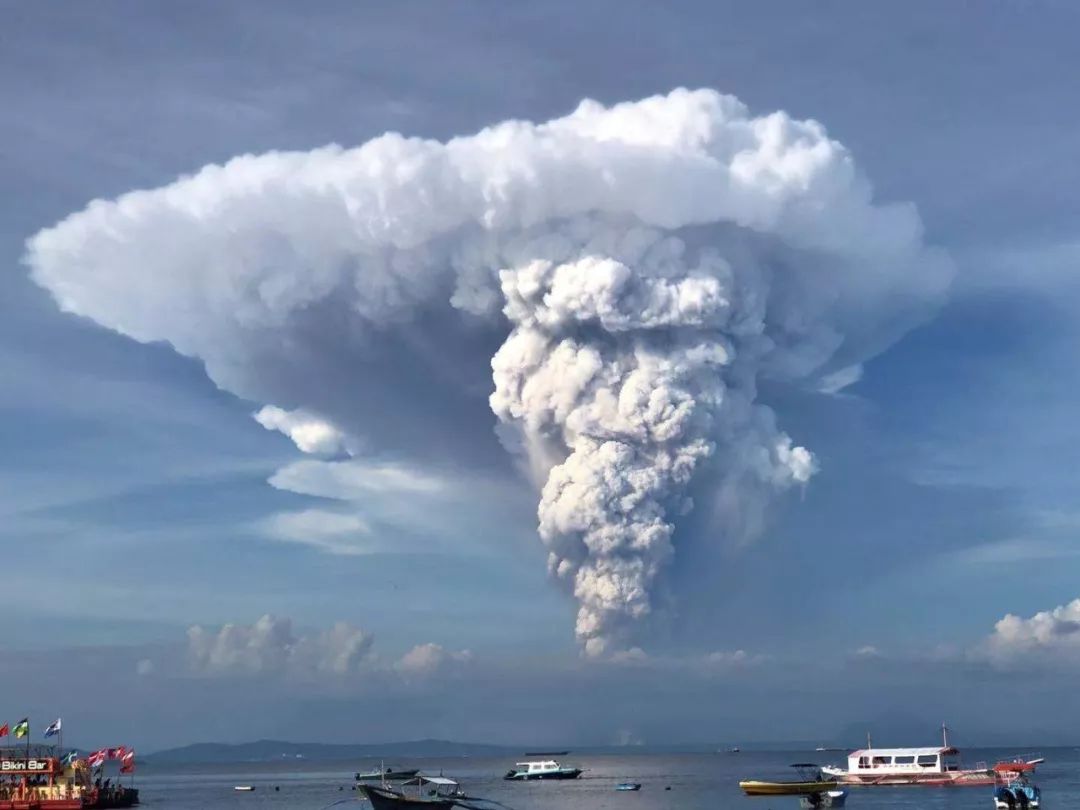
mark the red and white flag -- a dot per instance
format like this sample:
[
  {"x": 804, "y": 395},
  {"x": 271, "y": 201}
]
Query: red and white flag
[
  {"x": 97, "y": 759},
  {"x": 4, "y": 730},
  {"x": 117, "y": 753},
  {"x": 127, "y": 762}
]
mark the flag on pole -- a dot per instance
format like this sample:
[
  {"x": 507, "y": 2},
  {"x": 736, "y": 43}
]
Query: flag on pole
[
  {"x": 127, "y": 762},
  {"x": 4, "y": 730},
  {"x": 54, "y": 728},
  {"x": 117, "y": 753},
  {"x": 97, "y": 759},
  {"x": 70, "y": 757},
  {"x": 22, "y": 728}
]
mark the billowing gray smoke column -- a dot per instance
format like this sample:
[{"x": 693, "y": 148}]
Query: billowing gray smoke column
[
  {"x": 652, "y": 262},
  {"x": 633, "y": 362}
]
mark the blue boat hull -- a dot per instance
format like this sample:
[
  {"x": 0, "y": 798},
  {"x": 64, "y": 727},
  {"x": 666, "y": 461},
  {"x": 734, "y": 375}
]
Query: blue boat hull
[{"x": 562, "y": 773}]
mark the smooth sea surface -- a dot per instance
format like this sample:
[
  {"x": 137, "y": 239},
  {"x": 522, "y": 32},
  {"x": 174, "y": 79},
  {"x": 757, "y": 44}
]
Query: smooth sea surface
[{"x": 697, "y": 782}]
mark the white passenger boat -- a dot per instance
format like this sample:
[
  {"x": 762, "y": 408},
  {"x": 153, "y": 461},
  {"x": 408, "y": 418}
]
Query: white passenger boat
[
  {"x": 543, "y": 769},
  {"x": 939, "y": 765}
]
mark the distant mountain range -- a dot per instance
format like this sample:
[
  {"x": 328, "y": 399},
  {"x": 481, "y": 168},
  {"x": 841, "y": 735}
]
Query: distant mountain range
[
  {"x": 273, "y": 750},
  {"x": 367, "y": 753}
]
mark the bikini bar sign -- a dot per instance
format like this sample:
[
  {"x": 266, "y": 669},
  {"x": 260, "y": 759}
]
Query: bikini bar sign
[{"x": 25, "y": 765}]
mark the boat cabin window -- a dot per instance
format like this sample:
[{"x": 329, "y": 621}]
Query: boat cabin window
[
  {"x": 928, "y": 761},
  {"x": 882, "y": 761},
  {"x": 908, "y": 760},
  {"x": 951, "y": 764},
  {"x": 864, "y": 762}
]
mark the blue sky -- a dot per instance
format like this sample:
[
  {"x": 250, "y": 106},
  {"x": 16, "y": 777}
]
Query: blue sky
[{"x": 139, "y": 497}]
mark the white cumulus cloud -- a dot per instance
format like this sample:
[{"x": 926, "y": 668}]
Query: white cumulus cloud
[
  {"x": 725, "y": 659},
  {"x": 428, "y": 659},
  {"x": 308, "y": 432},
  {"x": 1046, "y": 636},
  {"x": 271, "y": 647}
]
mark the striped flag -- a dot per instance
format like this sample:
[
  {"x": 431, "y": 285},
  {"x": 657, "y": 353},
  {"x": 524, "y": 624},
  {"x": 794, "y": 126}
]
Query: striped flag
[
  {"x": 97, "y": 759},
  {"x": 54, "y": 728},
  {"x": 22, "y": 728},
  {"x": 127, "y": 762}
]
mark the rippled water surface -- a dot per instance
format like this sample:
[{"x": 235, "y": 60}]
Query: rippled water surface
[{"x": 696, "y": 781}]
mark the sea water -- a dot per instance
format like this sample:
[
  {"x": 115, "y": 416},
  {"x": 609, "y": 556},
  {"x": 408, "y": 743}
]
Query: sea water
[{"x": 669, "y": 782}]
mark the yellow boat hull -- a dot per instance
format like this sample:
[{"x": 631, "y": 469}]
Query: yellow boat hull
[{"x": 754, "y": 787}]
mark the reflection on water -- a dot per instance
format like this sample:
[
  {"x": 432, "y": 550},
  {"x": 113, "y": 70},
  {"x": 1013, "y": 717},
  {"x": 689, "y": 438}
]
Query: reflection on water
[{"x": 696, "y": 782}]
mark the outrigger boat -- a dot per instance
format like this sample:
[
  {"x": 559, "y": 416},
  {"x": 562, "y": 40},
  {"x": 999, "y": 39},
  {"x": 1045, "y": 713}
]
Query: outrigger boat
[
  {"x": 939, "y": 765},
  {"x": 431, "y": 792},
  {"x": 812, "y": 782},
  {"x": 442, "y": 792}
]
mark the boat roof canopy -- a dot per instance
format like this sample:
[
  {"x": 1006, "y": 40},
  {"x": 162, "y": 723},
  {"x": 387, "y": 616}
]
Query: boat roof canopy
[
  {"x": 894, "y": 752},
  {"x": 431, "y": 780}
]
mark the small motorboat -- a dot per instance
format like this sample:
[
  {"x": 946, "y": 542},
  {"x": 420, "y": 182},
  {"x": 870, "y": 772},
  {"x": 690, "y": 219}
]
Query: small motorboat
[
  {"x": 244, "y": 788},
  {"x": 628, "y": 786},
  {"x": 1017, "y": 796},
  {"x": 812, "y": 781},
  {"x": 1014, "y": 789},
  {"x": 830, "y": 798},
  {"x": 543, "y": 769}
]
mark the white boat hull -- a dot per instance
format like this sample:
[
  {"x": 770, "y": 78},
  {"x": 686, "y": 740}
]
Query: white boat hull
[{"x": 967, "y": 778}]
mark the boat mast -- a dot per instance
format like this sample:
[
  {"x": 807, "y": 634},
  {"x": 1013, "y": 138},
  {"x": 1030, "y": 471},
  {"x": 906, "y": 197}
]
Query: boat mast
[{"x": 944, "y": 736}]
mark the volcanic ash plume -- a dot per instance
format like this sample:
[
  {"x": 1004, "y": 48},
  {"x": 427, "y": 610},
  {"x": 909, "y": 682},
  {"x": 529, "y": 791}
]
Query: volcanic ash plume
[{"x": 651, "y": 262}]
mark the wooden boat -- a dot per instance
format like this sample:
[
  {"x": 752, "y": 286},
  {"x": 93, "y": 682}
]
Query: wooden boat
[
  {"x": 445, "y": 794},
  {"x": 811, "y": 782},
  {"x": 932, "y": 766},
  {"x": 757, "y": 787}
]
